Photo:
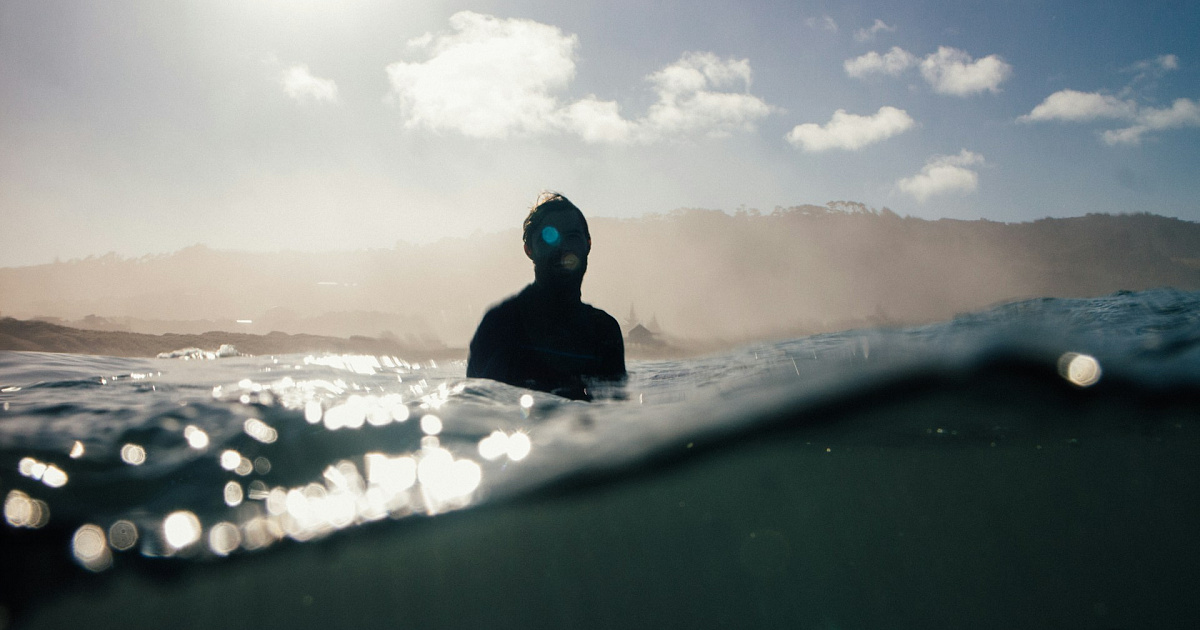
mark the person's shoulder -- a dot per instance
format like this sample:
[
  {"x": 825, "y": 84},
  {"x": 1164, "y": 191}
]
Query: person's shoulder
[
  {"x": 497, "y": 326},
  {"x": 602, "y": 318},
  {"x": 506, "y": 307},
  {"x": 500, "y": 317}
]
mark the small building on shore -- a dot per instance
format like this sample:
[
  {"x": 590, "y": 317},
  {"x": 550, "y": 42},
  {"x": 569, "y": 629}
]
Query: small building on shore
[{"x": 642, "y": 336}]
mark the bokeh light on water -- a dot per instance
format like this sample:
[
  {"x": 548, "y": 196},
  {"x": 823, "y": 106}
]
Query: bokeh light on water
[
  {"x": 426, "y": 478},
  {"x": 123, "y": 535},
  {"x": 21, "y": 510},
  {"x": 260, "y": 430},
  {"x": 431, "y": 424},
  {"x": 48, "y": 474},
  {"x": 181, "y": 529},
  {"x": 224, "y": 538},
  {"x": 262, "y": 490},
  {"x": 133, "y": 454},
  {"x": 249, "y": 489},
  {"x": 1080, "y": 369},
  {"x": 195, "y": 437},
  {"x": 500, "y": 444},
  {"x": 90, "y": 548},
  {"x": 233, "y": 494}
]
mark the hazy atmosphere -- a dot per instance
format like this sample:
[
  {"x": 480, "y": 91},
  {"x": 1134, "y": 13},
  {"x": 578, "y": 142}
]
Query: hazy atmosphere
[
  {"x": 307, "y": 125},
  {"x": 700, "y": 278}
]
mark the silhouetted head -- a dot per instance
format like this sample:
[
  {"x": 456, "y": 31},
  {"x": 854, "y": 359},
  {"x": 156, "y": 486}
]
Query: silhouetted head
[
  {"x": 557, "y": 241},
  {"x": 548, "y": 203}
]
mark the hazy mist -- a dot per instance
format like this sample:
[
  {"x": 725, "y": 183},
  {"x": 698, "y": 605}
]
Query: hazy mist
[{"x": 703, "y": 275}]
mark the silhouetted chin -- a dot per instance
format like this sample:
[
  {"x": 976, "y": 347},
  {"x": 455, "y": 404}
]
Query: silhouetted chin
[{"x": 558, "y": 281}]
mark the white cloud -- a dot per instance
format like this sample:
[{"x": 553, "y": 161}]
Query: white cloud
[
  {"x": 952, "y": 71},
  {"x": 488, "y": 78},
  {"x": 496, "y": 78},
  {"x": 1075, "y": 106},
  {"x": 299, "y": 83},
  {"x": 598, "y": 121},
  {"x": 943, "y": 174},
  {"x": 824, "y": 23},
  {"x": 867, "y": 34},
  {"x": 893, "y": 63},
  {"x": 948, "y": 71},
  {"x": 850, "y": 131},
  {"x": 690, "y": 100},
  {"x": 1182, "y": 113}
]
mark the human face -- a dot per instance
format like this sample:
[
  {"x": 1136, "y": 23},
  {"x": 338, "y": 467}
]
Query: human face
[{"x": 560, "y": 245}]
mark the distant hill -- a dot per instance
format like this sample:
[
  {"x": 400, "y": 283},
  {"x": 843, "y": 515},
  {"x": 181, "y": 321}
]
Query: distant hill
[{"x": 703, "y": 274}]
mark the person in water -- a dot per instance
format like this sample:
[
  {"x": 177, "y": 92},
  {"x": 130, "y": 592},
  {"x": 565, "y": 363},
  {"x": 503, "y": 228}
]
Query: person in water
[{"x": 544, "y": 337}]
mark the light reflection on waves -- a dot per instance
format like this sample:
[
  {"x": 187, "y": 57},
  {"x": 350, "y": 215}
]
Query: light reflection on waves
[
  {"x": 256, "y": 436},
  {"x": 426, "y": 467},
  {"x": 427, "y": 480},
  {"x": 302, "y": 447}
]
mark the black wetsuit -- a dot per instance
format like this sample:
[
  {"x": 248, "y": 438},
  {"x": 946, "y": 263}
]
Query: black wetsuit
[{"x": 540, "y": 341}]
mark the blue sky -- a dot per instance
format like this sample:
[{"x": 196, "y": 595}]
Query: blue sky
[{"x": 144, "y": 127}]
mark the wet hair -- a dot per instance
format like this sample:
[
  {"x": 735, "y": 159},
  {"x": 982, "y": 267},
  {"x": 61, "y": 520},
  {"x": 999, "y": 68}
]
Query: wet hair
[{"x": 548, "y": 202}]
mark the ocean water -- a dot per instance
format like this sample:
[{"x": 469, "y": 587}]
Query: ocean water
[{"x": 1036, "y": 464}]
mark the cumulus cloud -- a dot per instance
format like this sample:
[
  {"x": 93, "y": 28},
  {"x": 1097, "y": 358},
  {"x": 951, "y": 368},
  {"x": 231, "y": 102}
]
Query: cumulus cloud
[
  {"x": 824, "y": 23},
  {"x": 893, "y": 62},
  {"x": 495, "y": 78},
  {"x": 867, "y": 34},
  {"x": 953, "y": 71},
  {"x": 850, "y": 131},
  {"x": 948, "y": 71},
  {"x": 1075, "y": 106},
  {"x": 300, "y": 84},
  {"x": 690, "y": 98},
  {"x": 943, "y": 174},
  {"x": 1182, "y": 113},
  {"x": 487, "y": 78}
]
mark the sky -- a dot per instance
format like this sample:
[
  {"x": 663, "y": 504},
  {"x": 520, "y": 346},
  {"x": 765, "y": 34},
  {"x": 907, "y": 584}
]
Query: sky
[{"x": 141, "y": 127}]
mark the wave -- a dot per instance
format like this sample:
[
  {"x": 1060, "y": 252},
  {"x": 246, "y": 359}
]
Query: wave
[{"x": 1034, "y": 441}]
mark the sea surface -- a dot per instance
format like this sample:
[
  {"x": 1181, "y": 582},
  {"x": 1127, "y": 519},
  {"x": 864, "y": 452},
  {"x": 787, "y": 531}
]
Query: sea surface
[{"x": 1033, "y": 465}]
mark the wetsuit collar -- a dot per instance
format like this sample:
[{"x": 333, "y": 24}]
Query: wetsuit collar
[{"x": 555, "y": 295}]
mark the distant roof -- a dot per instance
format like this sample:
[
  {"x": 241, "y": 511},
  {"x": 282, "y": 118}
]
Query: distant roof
[{"x": 640, "y": 334}]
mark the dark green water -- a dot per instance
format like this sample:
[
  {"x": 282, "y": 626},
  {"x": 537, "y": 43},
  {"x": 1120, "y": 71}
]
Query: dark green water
[{"x": 1080, "y": 525}]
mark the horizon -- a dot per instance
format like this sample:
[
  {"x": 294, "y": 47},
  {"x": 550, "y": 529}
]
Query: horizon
[
  {"x": 715, "y": 275},
  {"x": 142, "y": 128},
  {"x": 443, "y": 240}
]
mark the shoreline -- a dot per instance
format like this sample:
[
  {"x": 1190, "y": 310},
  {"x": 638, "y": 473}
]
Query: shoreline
[
  {"x": 34, "y": 335},
  {"x": 39, "y": 336}
]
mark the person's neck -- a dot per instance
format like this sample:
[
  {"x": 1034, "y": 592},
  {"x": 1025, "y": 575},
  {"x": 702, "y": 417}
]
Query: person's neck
[{"x": 556, "y": 291}]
